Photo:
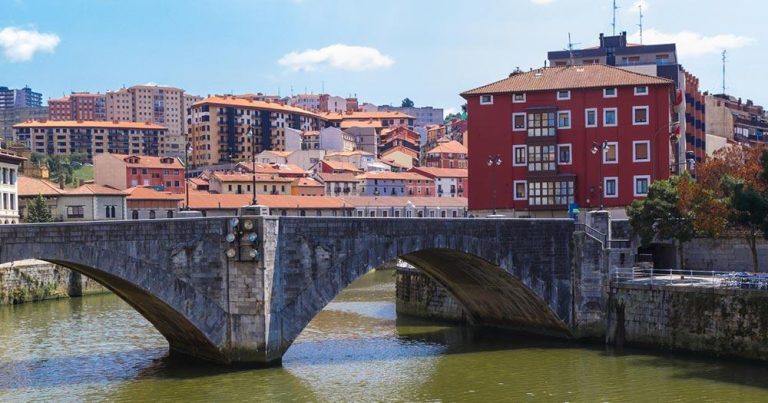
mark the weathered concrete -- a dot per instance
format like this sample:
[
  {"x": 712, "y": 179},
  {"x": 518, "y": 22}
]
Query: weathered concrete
[
  {"x": 33, "y": 280},
  {"x": 517, "y": 273},
  {"x": 715, "y": 321},
  {"x": 420, "y": 296}
]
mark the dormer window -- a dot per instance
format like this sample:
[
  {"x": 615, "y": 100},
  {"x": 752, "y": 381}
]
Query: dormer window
[{"x": 518, "y": 97}]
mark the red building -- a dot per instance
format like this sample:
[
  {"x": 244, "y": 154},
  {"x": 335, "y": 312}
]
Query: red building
[
  {"x": 591, "y": 135},
  {"x": 447, "y": 154},
  {"x": 78, "y": 106},
  {"x": 449, "y": 182},
  {"x": 128, "y": 171}
]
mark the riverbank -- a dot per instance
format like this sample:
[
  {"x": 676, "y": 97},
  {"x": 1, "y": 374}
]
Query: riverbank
[{"x": 35, "y": 280}]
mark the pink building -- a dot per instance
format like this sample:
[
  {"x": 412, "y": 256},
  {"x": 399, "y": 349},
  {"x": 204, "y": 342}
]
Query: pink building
[{"x": 127, "y": 171}]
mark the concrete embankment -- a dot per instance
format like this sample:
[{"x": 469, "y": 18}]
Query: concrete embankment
[{"x": 35, "y": 280}]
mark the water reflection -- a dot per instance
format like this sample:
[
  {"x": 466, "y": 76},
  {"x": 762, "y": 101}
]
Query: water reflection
[{"x": 357, "y": 349}]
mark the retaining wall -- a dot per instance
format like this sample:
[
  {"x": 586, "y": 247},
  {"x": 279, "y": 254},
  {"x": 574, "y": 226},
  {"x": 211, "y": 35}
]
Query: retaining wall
[{"x": 35, "y": 280}]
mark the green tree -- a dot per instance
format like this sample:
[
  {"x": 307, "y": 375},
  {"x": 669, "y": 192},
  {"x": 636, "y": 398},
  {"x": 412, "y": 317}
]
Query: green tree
[
  {"x": 60, "y": 169},
  {"x": 659, "y": 215},
  {"x": 38, "y": 158},
  {"x": 407, "y": 103},
  {"x": 37, "y": 210},
  {"x": 749, "y": 213}
]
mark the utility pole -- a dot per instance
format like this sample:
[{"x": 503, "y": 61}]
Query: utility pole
[
  {"x": 640, "y": 7},
  {"x": 724, "y": 60}
]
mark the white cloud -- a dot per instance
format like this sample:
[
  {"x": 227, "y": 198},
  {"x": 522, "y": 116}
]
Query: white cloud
[
  {"x": 339, "y": 56},
  {"x": 635, "y": 10},
  {"x": 693, "y": 43},
  {"x": 542, "y": 1},
  {"x": 21, "y": 45},
  {"x": 450, "y": 110}
]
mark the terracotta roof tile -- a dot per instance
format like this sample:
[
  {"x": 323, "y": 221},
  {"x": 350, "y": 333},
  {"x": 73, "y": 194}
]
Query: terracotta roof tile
[
  {"x": 452, "y": 146},
  {"x": 400, "y": 201},
  {"x": 552, "y": 78},
  {"x": 88, "y": 124},
  {"x": 442, "y": 172},
  {"x": 253, "y": 104},
  {"x": 341, "y": 177},
  {"x": 145, "y": 161},
  {"x": 391, "y": 176},
  {"x": 148, "y": 193}
]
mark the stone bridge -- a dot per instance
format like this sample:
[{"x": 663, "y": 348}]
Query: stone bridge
[{"x": 241, "y": 290}]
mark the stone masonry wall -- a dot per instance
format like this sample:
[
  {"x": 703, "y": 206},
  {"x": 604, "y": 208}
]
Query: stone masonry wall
[
  {"x": 723, "y": 322},
  {"x": 34, "y": 280},
  {"x": 724, "y": 254},
  {"x": 418, "y": 295}
]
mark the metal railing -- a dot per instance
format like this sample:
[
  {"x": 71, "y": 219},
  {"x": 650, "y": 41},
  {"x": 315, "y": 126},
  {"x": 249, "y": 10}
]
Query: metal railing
[
  {"x": 597, "y": 235},
  {"x": 694, "y": 278}
]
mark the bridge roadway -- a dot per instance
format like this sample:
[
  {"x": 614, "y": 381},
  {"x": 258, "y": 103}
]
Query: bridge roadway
[{"x": 246, "y": 299}]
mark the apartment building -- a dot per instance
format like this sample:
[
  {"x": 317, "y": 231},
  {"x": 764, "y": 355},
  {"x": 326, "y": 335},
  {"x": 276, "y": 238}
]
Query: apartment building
[
  {"x": 9, "y": 191},
  {"x": 127, "y": 171},
  {"x": 447, "y": 154},
  {"x": 422, "y": 116},
  {"x": 78, "y": 106},
  {"x": 219, "y": 125},
  {"x": 735, "y": 119},
  {"x": 589, "y": 135},
  {"x": 19, "y": 105},
  {"x": 88, "y": 202},
  {"x": 448, "y": 182},
  {"x": 238, "y": 183},
  {"x": 90, "y": 137}
]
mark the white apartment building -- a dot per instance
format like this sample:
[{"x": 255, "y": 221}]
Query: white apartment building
[{"x": 9, "y": 190}]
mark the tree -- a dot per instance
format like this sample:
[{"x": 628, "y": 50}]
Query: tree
[
  {"x": 659, "y": 215},
  {"x": 38, "y": 211},
  {"x": 407, "y": 103},
  {"x": 38, "y": 158}
]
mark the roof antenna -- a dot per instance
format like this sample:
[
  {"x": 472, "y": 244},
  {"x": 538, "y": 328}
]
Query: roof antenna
[
  {"x": 613, "y": 24},
  {"x": 640, "y": 7},
  {"x": 570, "y": 50},
  {"x": 724, "y": 60}
]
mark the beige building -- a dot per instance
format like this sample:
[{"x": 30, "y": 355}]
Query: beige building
[
  {"x": 306, "y": 159},
  {"x": 237, "y": 183},
  {"x": 9, "y": 198},
  {"x": 86, "y": 203}
]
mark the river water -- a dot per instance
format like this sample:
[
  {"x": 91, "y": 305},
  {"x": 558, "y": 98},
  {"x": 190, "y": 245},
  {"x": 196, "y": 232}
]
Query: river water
[{"x": 98, "y": 348}]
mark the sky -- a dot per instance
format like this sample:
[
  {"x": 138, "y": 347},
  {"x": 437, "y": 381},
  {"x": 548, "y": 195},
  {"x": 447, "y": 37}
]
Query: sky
[{"x": 382, "y": 51}]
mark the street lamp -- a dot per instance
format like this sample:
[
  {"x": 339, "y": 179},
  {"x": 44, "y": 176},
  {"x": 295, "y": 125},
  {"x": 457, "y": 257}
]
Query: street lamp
[
  {"x": 494, "y": 161},
  {"x": 595, "y": 148},
  {"x": 252, "y": 135},
  {"x": 187, "y": 151}
]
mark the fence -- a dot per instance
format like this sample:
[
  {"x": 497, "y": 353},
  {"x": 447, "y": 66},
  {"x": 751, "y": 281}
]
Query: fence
[{"x": 695, "y": 278}]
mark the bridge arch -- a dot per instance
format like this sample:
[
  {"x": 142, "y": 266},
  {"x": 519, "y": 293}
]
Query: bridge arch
[{"x": 507, "y": 275}]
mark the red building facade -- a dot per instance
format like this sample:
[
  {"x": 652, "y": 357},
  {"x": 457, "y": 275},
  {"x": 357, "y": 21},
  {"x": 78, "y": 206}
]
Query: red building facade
[{"x": 591, "y": 136}]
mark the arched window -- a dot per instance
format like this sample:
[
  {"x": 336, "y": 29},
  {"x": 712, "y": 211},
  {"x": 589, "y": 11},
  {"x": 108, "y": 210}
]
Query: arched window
[
  {"x": 170, "y": 214},
  {"x": 135, "y": 214},
  {"x": 151, "y": 214}
]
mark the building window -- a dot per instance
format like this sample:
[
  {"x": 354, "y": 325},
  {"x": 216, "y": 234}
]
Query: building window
[
  {"x": 169, "y": 214},
  {"x": 563, "y": 95},
  {"x": 152, "y": 214},
  {"x": 555, "y": 193},
  {"x": 521, "y": 190},
  {"x": 486, "y": 99},
  {"x": 641, "y": 90},
  {"x": 610, "y": 92},
  {"x": 564, "y": 154},
  {"x": 609, "y": 117},
  {"x": 518, "y": 98},
  {"x": 135, "y": 214},
  {"x": 520, "y": 158},
  {"x": 541, "y": 158},
  {"x": 641, "y": 185},
  {"x": 639, "y": 115},
  {"x": 641, "y": 151},
  {"x": 518, "y": 122},
  {"x": 590, "y": 117},
  {"x": 564, "y": 119},
  {"x": 75, "y": 212},
  {"x": 611, "y": 153},
  {"x": 110, "y": 211},
  {"x": 611, "y": 186},
  {"x": 541, "y": 124}
]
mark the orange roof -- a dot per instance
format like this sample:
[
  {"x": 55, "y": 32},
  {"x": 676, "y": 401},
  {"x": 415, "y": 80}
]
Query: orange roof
[
  {"x": 452, "y": 146},
  {"x": 239, "y": 177},
  {"x": 293, "y": 202},
  {"x": 205, "y": 200},
  {"x": 88, "y": 124},
  {"x": 280, "y": 169},
  {"x": 148, "y": 193},
  {"x": 306, "y": 182},
  {"x": 401, "y": 201},
  {"x": 402, "y": 149},
  {"x": 376, "y": 115},
  {"x": 146, "y": 161},
  {"x": 253, "y": 104},
  {"x": 33, "y": 187},
  {"x": 346, "y": 124},
  {"x": 442, "y": 172},
  {"x": 283, "y": 154},
  {"x": 340, "y": 177},
  {"x": 11, "y": 157},
  {"x": 348, "y": 153},
  {"x": 392, "y": 176},
  {"x": 553, "y": 78},
  {"x": 342, "y": 166}
]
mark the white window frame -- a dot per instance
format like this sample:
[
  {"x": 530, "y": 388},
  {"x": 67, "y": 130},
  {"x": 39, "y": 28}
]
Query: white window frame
[
  {"x": 525, "y": 154},
  {"x": 514, "y": 190},
  {"x": 615, "y": 113},
  {"x": 525, "y": 121},
  {"x": 605, "y": 152},
  {"x": 634, "y": 151},
  {"x": 634, "y": 184},
  {"x": 514, "y": 101},
  {"x": 605, "y": 187},
  {"x": 647, "y": 115},
  {"x": 565, "y": 98},
  {"x": 641, "y": 94},
  {"x": 615, "y": 92},
  {"x": 489, "y": 102},
  {"x": 586, "y": 117},
  {"x": 570, "y": 121},
  {"x": 570, "y": 154}
]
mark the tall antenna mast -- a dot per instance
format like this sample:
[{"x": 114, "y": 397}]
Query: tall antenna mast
[
  {"x": 613, "y": 24},
  {"x": 640, "y": 7},
  {"x": 570, "y": 49},
  {"x": 724, "y": 60}
]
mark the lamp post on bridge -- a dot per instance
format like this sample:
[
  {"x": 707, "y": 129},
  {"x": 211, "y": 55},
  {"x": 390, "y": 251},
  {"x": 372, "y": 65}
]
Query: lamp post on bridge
[
  {"x": 252, "y": 135},
  {"x": 187, "y": 151},
  {"x": 595, "y": 148},
  {"x": 493, "y": 162}
]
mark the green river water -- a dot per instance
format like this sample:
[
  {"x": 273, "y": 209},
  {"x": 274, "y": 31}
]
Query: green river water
[{"x": 97, "y": 348}]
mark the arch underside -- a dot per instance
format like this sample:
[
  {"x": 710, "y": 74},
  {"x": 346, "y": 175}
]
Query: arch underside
[{"x": 182, "y": 335}]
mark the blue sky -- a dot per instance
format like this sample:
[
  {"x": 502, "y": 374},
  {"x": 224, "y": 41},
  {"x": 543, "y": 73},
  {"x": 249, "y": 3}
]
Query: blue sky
[{"x": 384, "y": 50}]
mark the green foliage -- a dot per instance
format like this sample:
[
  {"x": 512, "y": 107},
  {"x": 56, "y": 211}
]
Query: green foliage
[
  {"x": 659, "y": 214},
  {"x": 38, "y": 158},
  {"x": 407, "y": 103},
  {"x": 37, "y": 211}
]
